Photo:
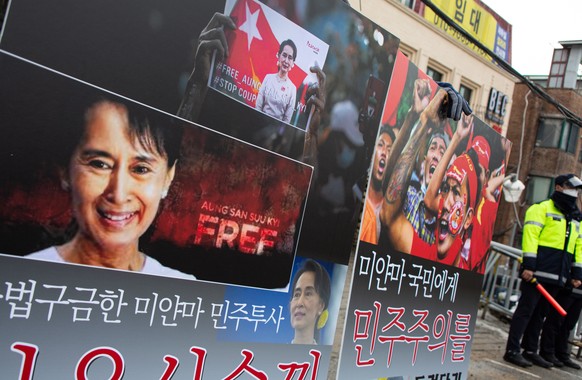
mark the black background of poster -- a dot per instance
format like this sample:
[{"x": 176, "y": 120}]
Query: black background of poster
[
  {"x": 137, "y": 50},
  {"x": 144, "y": 52}
]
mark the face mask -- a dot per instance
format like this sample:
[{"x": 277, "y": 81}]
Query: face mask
[
  {"x": 346, "y": 157},
  {"x": 571, "y": 192}
]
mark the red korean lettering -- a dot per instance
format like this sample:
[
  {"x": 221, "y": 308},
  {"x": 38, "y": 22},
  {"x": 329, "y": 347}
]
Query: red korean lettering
[
  {"x": 29, "y": 354},
  {"x": 423, "y": 314},
  {"x": 367, "y": 315},
  {"x": 399, "y": 311},
  {"x": 462, "y": 323},
  {"x": 245, "y": 366},
  {"x": 439, "y": 331},
  {"x": 461, "y": 337},
  {"x": 316, "y": 358},
  {"x": 94, "y": 354},
  {"x": 200, "y": 354},
  {"x": 391, "y": 340},
  {"x": 171, "y": 366},
  {"x": 292, "y": 368}
]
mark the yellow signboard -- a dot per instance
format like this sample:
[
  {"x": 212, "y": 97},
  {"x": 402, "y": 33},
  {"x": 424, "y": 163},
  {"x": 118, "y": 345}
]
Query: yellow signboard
[{"x": 476, "y": 20}]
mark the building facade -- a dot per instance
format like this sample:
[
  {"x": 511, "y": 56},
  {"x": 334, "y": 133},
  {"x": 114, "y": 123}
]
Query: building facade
[
  {"x": 446, "y": 56},
  {"x": 545, "y": 141}
]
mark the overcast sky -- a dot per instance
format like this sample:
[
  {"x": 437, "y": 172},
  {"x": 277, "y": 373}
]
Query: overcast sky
[{"x": 537, "y": 27}]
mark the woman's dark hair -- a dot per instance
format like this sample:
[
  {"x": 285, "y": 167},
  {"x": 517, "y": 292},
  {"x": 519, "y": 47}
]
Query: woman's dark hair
[
  {"x": 156, "y": 132},
  {"x": 322, "y": 282},
  {"x": 291, "y": 44}
]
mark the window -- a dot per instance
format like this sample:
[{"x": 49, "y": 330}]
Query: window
[
  {"x": 558, "y": 68},
  {"x": 434, "y": 74},
  {"x": 407, "y": 51},
  {"x": 466, "y": 92},
  {"x": 557, "y": 133},
  {"x": 437, "y": 71},
  {"x": 538, "y": 189},
  {"x": 408, "y": 3}
]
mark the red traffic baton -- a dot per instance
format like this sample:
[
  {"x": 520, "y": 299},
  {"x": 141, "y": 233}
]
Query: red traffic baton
[{"x": 549, "y": 297}]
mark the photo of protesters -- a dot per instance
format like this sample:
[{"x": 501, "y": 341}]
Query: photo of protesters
[
  {"x": 476, "y": 247},
  {"x": 370, "y": 229},
  {"x": 439, "y": 193},
  {"x": 310, "y": 295},
  {"x": 277, "y": 93},
  {"x": 455, "y": 194},
  {"x": 486, "y": 150}
]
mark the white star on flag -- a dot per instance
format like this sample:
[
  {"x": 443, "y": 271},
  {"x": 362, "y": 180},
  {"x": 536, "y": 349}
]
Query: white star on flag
[{"x": 250, "y": 26}]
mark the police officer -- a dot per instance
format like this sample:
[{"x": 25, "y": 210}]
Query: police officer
[
  {"x": 552, "y": 254},
  {"x": 556, "y": 331}
]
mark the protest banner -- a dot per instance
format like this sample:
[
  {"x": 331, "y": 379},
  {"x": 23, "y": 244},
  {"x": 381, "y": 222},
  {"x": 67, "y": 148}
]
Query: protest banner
[
  {"x": 268, "y": 63},
  {"x": 239, "y": 270},
  {"x": 428, "y": 221}
]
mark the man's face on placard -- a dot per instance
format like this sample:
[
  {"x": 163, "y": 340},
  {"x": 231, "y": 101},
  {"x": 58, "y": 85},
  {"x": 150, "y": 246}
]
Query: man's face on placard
[
  {"x": 455, "y": 215},
  {"x": 383, "y": 147},
  {"x": 436, "y": 150}
]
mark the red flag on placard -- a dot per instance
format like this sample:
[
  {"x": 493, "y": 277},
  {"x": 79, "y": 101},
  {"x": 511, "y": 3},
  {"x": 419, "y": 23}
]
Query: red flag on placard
[{"x": 254, "y": 47}]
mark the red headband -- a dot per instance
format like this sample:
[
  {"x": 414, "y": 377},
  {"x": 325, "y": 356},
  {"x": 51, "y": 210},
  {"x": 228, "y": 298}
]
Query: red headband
[
  {"x": 462, "y": 168},
  {"x": 481, "y": 146}
]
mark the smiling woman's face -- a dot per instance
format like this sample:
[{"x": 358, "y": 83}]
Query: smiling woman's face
[
  {"x": 116, "y": 184},
  {"x": 306, "y": 304},
  {"x": 285, "y": 59}
]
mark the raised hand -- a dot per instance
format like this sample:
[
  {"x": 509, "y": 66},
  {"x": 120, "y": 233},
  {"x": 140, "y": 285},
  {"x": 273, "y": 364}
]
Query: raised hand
[
  {"x": 455, "y": 104},
  {"x": 212, "y": 38}
]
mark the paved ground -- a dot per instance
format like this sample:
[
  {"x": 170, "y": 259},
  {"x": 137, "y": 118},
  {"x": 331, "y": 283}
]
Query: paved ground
[{"x": 487, "y": 356}]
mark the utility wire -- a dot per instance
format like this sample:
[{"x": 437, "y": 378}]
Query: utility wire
[{"x": 569, "y": 115}]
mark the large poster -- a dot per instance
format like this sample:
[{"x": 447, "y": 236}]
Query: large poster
[
  {"x": 159, "y": 54},
  {"x": 227, "y": 202},
  {"x": 177, "y": 232},
  {"x": 65, "y": 321},
  {"x": 428, "y": 221}
]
